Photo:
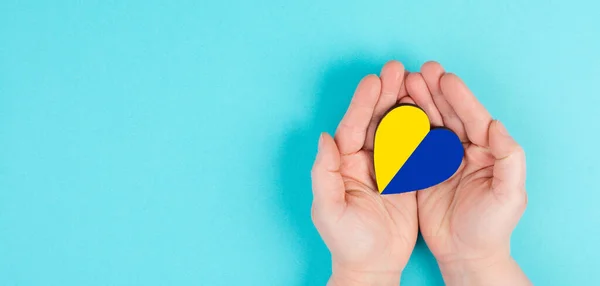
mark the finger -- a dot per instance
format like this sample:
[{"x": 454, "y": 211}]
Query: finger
[
  {"x": 327, "y": 182},
  {"x": 471, "y": 112},
  {"x": 392, "y": 75},
  {"x": 403, "y": 92},
  {"x": 432, "y": 73},
  {"x": 407, "y": 99},
  {"x": 351, "y": 133},
  {"x": 417, "y": 89},
  {"x": 509, "y": 166}
]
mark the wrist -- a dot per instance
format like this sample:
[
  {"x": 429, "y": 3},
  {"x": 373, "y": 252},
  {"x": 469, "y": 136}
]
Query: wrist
[
  {"x": 500, "y": 269},
  {"x": 472, "y": 265},
  {"x": 350, "y": 277}
]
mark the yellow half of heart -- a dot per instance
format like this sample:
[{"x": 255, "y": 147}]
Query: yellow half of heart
[{"x": 398, "y": 135}]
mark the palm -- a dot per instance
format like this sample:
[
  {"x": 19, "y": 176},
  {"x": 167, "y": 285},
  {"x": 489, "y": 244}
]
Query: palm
[
  {"x": 383, "y": 227},
  {"x": 456, "y": 206}
]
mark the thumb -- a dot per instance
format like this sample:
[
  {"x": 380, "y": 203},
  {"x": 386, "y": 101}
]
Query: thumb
[
  {"x": 509, "y": 167},
  {"x": 327, "y": 182}
]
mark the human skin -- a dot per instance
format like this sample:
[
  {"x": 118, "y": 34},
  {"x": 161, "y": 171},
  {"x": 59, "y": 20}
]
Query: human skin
[{"x": 466, "y": 221}]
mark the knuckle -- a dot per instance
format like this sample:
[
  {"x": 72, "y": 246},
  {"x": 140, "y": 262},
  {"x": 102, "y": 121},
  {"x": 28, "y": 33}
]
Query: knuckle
[
  {"x": 523, "y": 200},
  {"x": 314, "y": 216},
  {"x": 519, "y": 150}
]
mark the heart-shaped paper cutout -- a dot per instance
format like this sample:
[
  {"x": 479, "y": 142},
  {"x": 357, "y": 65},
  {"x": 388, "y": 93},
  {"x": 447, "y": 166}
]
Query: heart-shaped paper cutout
[{"x": 409, "y": 155}]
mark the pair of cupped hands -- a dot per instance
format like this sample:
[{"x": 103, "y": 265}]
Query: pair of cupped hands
[{"x": 465, "y": 221}]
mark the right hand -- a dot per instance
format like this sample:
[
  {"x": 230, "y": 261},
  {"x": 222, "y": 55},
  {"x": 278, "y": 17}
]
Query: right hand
[{"x": 370, "y": 236}]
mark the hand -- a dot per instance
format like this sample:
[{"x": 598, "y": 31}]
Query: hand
[
  {"x": 370, "y": 236},
  {"x": 467, "y": 221}
]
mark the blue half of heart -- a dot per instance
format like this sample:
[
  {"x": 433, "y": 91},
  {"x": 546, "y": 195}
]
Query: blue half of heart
[{"x": 435, "y": 160}]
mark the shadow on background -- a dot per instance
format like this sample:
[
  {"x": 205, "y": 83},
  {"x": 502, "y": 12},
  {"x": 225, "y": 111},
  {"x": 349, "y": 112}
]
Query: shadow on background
[{"x": 333, "y": 94}]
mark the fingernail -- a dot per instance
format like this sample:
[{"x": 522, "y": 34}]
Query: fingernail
[{"x": 502, "y": 128}]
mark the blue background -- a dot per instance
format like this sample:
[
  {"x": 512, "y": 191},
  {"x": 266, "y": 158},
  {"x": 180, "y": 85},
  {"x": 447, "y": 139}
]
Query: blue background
[{"x": 169, "y": 143}]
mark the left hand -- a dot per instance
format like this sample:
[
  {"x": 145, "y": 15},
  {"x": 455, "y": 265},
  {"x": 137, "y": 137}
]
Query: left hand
[{"x": 467, "y": 220}]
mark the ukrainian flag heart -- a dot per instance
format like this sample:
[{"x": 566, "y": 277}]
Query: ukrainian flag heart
[{"x": 409, "y": 155}]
